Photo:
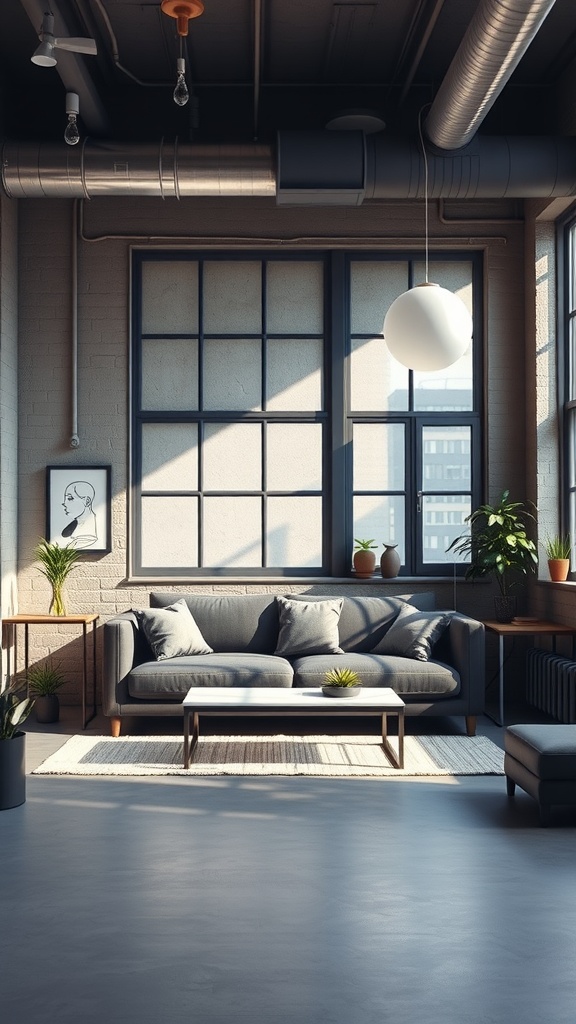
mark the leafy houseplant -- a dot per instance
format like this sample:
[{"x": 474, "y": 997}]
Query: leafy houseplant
[
  {"x": 364, "y": 560},
  {"x": 498, "y": 545},
  {"x": 44, "y": 681},
  {"x": 57, "y": 564},
  {"x": 558, "y": 549},
  {"x": 14, "y": 710},
  {"x": 341, "y": 682}
]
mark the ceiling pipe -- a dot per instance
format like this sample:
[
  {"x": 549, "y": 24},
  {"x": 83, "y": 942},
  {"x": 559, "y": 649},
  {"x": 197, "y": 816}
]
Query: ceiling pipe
[{"x": 495, "y": 42}]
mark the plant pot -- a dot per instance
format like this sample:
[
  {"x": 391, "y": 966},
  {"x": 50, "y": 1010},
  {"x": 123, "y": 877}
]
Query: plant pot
[
  {"x": 13, "y": 771},
  {"x": 504, "y": 608},
  {"x": 364, "y": 563},
  {"x": 341, "y": 691},
  {"x": 558, "y": 569},
  {"x": 390, "y": 562},
  {"x": 47, "y": 708}
]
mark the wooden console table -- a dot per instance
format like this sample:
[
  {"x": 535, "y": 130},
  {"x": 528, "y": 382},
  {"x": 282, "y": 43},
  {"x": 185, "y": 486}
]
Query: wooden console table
[
  {"x": 58, "y": 620},
  {"x": 540, "y": 627}
]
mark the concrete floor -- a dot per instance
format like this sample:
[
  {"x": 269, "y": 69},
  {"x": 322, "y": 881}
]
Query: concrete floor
[{"x": 283, "y": 901}]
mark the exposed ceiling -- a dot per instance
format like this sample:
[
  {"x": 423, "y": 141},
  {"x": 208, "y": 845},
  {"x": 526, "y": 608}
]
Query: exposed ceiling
[{"x": 257, "y": 66}]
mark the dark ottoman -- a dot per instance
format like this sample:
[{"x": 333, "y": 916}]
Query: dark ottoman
[{"x": 541, "y": 759}]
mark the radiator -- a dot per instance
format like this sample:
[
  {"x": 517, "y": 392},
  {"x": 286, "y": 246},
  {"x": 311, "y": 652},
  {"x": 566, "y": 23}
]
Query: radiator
[{"x": 551, "y": 684}]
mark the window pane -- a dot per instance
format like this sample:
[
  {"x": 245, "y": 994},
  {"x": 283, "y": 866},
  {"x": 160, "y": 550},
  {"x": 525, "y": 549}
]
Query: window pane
[
  {"x": 295, "y": 375},
  {"x": 169, "y": 532},
  {"x": 294, "y": 297},
  {"x": 294, "y": 537},
  {"x": 571, "y": 396},
  {"x": 446, "y": 458},
  {"x": 378, "y": 456},
  {"x": 373, "y": 288},
  {"x": 232, "y": 457},
  {"x": 232, "y": 297},
  {"x": 294, "y": 457},
  {"x": 169, "y": 374},
  {"x": 443, "y": 520},
  {"x": 169, "y": 457},
  {"x": 232, "y": 374},
  {"x": 233, "y": 532},
  {"x": 447, "y": 390},
  {"x": 378, "y": 382},
  {"x": 381, "y": 517},
  {"x": 169, "y": 297}
]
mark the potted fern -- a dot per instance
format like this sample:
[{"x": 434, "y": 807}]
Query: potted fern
[
  {"x": 56, "y": 565},
  {"x": 44, "y": 681},
  {"x": 558, "y": 550},
  {"x": 14, "y": 709},
  {"x": 341, "y": 682}
]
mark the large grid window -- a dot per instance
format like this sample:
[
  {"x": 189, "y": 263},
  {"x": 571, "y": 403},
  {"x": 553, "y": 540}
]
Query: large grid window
[
  {"x": 568, "y": 385},
  {"x": 271, "y": 426}
]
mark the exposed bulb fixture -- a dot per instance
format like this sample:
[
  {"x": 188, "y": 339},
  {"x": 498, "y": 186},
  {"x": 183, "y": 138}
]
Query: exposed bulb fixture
[
  {"x": 72, "y": 133},
  {"x": 44, "y": 55},
  {"x": 181, "y": 95}
]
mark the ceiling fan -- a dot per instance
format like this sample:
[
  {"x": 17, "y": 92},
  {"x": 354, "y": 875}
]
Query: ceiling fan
[{"x": 44, "y": 53}]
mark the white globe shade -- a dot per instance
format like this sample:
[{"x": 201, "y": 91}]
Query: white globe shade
[{"x": 427, "y": 328}]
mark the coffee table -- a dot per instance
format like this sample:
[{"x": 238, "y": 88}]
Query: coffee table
[{"x": 273, "y": 700}]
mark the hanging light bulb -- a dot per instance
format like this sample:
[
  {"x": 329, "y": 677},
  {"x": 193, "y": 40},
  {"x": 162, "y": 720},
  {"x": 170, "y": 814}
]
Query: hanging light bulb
[
  {"x": 71, "y": 133},
  {"x": 181, "y": 95}
]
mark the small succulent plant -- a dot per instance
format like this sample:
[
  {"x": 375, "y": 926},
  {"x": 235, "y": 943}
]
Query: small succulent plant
[
  {"x": 364, "y": 545},
  {"x": 341, "y": 677}
]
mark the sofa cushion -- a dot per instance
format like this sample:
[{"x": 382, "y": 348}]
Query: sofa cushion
[
  {"x": 413, "y": 633},
  {"x": 364, "y": 620},
  {"x": 409, "y": 678},
  {"x": 172, "y": 631},
  {"x": 230, "y": 622},
  {"x": 308, "y": 627},
  {"x": 175, "y": 676}
]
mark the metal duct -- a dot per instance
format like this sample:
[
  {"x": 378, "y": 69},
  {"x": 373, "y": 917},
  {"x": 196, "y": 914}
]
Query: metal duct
[
  {"x": 376, "y": 167},
  {"x": 496, "y": 40}
]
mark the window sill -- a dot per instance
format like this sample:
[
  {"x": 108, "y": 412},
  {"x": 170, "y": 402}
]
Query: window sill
[{"x": 288, "y": 581}]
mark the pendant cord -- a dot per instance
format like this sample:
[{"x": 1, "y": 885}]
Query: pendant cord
[{"x": 420, "y": 133}]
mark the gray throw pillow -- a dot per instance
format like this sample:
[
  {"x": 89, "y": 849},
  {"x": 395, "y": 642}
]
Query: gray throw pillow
[
  {"x": 308, "y": 627},
  {"x": 413, "y": 633},
  {"x": 172, "y": 632}
]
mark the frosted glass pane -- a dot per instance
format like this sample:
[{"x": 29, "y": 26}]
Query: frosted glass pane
[
  {"x": 294, "y": 457},
  {"x": 294, "y": 532},
  {"x": 232, "y": 374},
  {"x": 295, "y": 375},
  {"x": 373, "y": 288},
  {"x": 169, "y": 532},
  {"x": 443, "y": 520},
  {"x": 169, "y": 374},
  {"x": 232, "y": 457},
  {"x": 380, "y": 517},
  {"x": 169, "y": 457},
  {"x": 232, "y": 297},
  {"x": 456, "y": 277},
  {"x": 378, "y": 456},
  {"x": 295, "y": 297},
  {"x": 233, "y": 532},
  {"x": 378, "y": 383},
  {"x": 170, "y": 297}
]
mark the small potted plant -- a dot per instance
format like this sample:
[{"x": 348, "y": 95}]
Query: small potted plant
[
  {"x": 44, "y": 681},
  {"x": 14, "y": 710},
  {"x": 558, "y": 549},
  {"x": 341, "y": 682},
  {"x": 364, "y": 560},
  {"x": 498, "y": 545},
  {"x": 57, "y": 564}
]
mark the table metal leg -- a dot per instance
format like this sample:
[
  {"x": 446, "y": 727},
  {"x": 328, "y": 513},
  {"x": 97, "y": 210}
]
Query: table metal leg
[
  {"x": 501, "y": 680},
  {"x": 190, "y": 746},
  {"x": 396, "y": 759}
]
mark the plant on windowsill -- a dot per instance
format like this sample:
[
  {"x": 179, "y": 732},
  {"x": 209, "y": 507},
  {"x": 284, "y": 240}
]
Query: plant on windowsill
[
  {"x": 14, "y": 710},
  {"x": 44, "y": 680},
  {"x": 364, "y": 559},
  {"x": 558, "y": 550},
  {"x": 341, "y": 682},
  {"x": 57, "y": 564},
  {"x": 499, "y": 546}
]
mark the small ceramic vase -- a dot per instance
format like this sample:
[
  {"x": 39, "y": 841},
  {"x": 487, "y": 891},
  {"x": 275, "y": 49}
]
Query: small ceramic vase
[{"x": 390, "y": 562}]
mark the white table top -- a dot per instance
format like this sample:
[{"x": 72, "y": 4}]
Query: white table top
[{"x": 280, "y": 698}]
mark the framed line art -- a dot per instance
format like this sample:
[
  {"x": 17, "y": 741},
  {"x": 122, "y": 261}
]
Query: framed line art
[{"x": 78, "y": 507}]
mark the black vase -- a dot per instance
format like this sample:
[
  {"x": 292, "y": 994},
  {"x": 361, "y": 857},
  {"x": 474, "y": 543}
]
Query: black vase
[
  {"x": 13, "y": 771},
  {"x": 504, "y": 608}
]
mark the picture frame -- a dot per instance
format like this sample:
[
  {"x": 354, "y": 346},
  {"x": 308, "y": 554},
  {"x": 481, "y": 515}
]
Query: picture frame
[{"x": 79, "y": 507}]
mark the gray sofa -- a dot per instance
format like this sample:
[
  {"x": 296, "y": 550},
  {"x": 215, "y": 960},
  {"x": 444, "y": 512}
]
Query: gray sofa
[{"x": 243, "y": 633}]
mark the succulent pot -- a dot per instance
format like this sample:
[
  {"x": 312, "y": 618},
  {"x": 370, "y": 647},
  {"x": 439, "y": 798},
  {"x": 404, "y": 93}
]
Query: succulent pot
[
  {"x": 47, "y": 708},
  {"x": 13, "y": 771},
  {"x": 341, "y": 691},
  {"x": 364, "y": 563},
  {"x": 558, "y": 569},
  {"x": 504, "y": 608},
  {"x": 390, "y": 562}
]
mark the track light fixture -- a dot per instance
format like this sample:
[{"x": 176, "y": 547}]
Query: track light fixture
[
  {"x": 183, "y": 11},
  {"x": 71, "y": 133}
]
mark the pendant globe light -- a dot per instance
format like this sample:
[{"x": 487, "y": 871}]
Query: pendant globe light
[{"x": 428, "y": 327}]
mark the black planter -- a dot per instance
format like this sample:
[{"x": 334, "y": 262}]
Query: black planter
[
  {"x": 504, "y": 608},
  {"x": 13, "y": 771},
  {"x": 47, "y": 709}
]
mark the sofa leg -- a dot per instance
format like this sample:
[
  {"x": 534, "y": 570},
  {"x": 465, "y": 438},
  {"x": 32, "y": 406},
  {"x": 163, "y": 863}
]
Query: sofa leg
[
  {"x": 115, "y": 724},
  {"x": 470, "y": 725}
]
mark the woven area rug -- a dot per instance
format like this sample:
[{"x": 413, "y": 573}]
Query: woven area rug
[{"x": 273, "y": 755}]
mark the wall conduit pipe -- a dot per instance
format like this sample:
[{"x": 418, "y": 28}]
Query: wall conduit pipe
[{"x": 74, "y": 439}]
